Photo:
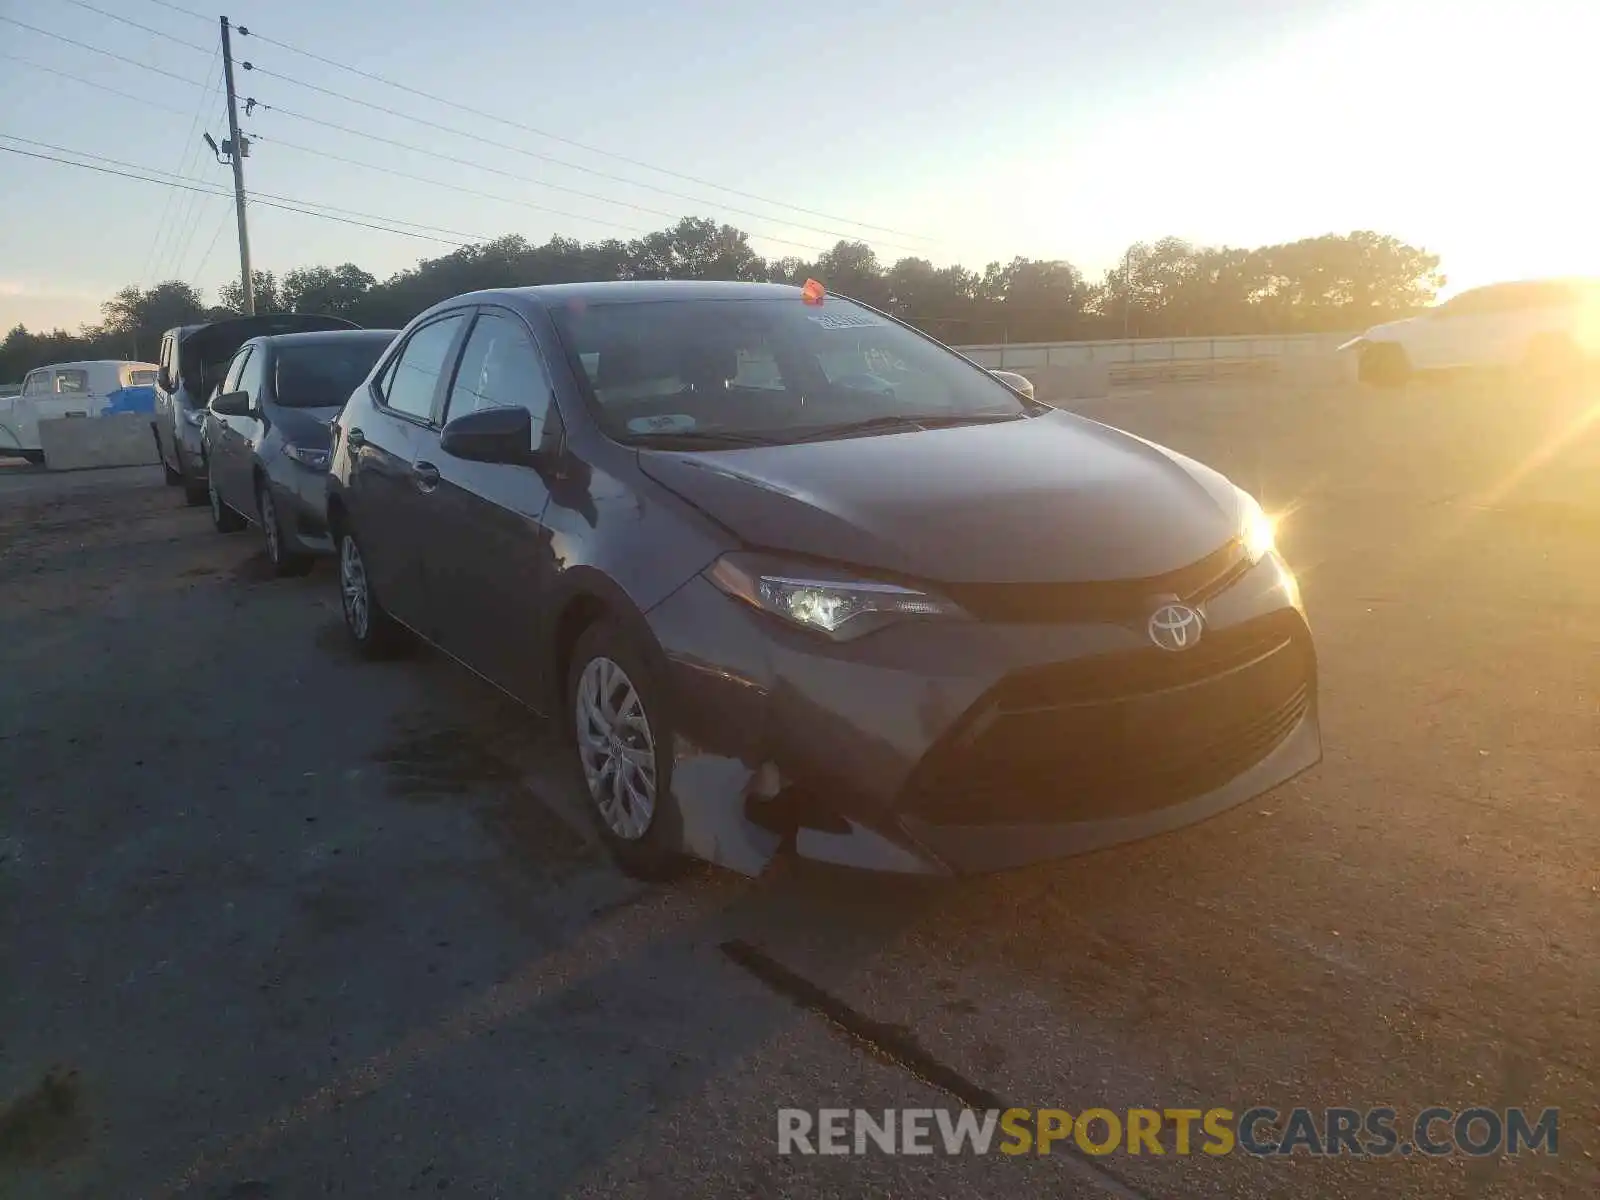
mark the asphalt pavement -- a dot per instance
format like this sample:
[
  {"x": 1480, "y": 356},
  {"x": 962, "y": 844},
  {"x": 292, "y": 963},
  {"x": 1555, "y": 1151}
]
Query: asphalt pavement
[{"x": 275, "y": 923}]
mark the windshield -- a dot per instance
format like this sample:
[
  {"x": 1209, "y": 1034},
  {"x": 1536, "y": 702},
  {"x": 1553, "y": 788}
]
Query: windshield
[
  {"x": 767, "y": 370},
  {"x": 323, "y": 374}
]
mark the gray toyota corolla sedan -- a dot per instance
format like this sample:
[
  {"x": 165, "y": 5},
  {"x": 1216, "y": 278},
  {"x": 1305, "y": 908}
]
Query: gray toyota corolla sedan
[
  {"x": 787, "y": 572},
  {"x": 264, "y": 443}
]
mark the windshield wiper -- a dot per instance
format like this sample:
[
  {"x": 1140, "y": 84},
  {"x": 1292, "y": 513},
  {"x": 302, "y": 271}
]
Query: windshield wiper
[
  {"x": 675, "y": 439},
  {"x": 891, "y": 421}
]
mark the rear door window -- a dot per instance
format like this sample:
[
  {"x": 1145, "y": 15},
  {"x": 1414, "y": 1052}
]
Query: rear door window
[{"x": 412, "y": 382}]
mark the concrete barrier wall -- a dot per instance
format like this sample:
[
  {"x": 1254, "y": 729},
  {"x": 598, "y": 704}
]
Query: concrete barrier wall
[
  {"x": 77, "y": 443},
  {"x": 1305, "y": 357}
]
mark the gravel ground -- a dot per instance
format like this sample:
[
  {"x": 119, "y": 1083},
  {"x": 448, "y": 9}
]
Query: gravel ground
[{"x": 274, "y": 923}]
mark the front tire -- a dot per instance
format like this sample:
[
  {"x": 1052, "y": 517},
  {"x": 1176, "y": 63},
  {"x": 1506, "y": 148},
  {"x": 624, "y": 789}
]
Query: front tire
[
  {"x": 223, "y": 518},
  {"x": 1384, "y": 364},
  {"x": 284, "y": 561},
  {"x": 373, "y": 633},
  {"x": 622, "y": 737}
]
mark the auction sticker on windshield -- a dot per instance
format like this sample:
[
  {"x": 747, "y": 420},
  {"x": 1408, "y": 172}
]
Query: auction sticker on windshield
[
  {"x": 845, "y": 320},
  {"x": 664, "y": 423}
]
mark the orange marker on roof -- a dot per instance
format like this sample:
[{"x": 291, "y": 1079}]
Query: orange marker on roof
[{"x": 812, "y": 292}]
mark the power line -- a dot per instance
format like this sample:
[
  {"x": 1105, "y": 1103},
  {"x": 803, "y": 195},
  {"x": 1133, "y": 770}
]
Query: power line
[
  {"x": 466, "y": 162},
  {"x": 209, "y": 192},
  {"x": 183, "y": 168},
  {"x": 211, "y": 246},
  {"x": 488, "y": 116},
  {"x": 555, "y": 137},
  {"x": 147, "y": 28},
  {"x": 454, "y": 187},
  {"x": 86, "y": 82},
  {"x": 187, "y": 207},
  {"x": 178, "y": 8},
  {"x": 560, "y": 162},
  {"x": 204, "y": 185},
  {"x": 145, "y": 67}
]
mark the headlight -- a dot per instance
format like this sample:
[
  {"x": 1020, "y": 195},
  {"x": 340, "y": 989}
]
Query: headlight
[
  {"x": 836, "y": 604},
  {"x": 195, "y": 416},
  {"x": 1256, "y": 531},
  {"x": 317, "y": 460}
]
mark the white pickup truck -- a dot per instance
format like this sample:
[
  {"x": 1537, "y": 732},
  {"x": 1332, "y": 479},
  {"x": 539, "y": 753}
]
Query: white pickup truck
[
  {"x": 1548, "y": 326},
  {"x": 74, "y": 389}
]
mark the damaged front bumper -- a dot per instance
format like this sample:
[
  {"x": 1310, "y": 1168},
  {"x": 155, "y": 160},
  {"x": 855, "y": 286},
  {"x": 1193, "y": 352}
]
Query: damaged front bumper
[{"x": 942, "y": 748}]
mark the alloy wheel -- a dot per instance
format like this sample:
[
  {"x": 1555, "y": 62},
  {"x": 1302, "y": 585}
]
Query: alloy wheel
[
  {"x": 353, "y": 588},
  {"x": 269, "y": 526},
  {"x": 617, "y": 748}
]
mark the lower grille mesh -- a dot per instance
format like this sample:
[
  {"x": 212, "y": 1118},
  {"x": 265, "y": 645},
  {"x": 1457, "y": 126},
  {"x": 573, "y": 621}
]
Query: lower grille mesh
[{"x": 1120, "y": 735}]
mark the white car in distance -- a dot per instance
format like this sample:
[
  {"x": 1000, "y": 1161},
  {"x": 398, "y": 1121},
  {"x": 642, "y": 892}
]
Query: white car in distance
[{"x": 1547, "y": 326}]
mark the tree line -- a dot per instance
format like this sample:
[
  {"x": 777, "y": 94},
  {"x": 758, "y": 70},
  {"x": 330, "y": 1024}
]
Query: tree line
[{"x": 1168, "y": 288}]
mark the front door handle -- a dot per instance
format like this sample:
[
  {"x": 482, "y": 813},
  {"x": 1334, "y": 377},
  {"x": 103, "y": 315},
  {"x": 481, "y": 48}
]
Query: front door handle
[
  {"x": 355, "y": 439},
  {"x": 427, "y": 477}
]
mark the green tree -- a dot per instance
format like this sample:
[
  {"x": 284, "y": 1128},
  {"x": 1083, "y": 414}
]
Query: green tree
[
  {"x": 851, "y": 269},
  {"x": 330, "y": 291},
  {"x": 695, "y": 248},
  {"x": 265, "y": 293}
]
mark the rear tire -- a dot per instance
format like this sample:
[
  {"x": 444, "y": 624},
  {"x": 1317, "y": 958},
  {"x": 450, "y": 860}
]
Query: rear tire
[
  {"x": 284, "y": 561},
  {"x": 223, "y": 518},
  {"x": 373, "y": 633},
  {"x": 1384, "y": 364},
  {"x": 621, "y": 733}
]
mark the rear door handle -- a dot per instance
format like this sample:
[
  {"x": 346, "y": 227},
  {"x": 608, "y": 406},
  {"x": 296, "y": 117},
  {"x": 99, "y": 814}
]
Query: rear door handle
[
  {"x": 427, "y": 476},
  {"x": 355, "y": 439}
]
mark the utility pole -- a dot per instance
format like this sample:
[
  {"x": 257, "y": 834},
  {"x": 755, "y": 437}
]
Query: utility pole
[{"x": 236, "y": 149}]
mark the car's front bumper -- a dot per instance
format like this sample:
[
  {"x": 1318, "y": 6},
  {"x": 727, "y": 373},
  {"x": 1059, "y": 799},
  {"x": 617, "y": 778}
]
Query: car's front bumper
[
  {"x": 965, "y": 746},
  {"x": 301, "y": 494}
]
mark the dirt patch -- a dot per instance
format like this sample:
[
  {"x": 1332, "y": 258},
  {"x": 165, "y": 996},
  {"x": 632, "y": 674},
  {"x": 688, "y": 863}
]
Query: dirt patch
[
  {"x": 443, "y": 762},
  {"x": 257, "y": 568},
  {"x": 46, "y": 1124},
  {"x": 425, "y": 762}
]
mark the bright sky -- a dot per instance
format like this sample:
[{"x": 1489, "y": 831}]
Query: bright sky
[{"x": 1045, "y": 128}]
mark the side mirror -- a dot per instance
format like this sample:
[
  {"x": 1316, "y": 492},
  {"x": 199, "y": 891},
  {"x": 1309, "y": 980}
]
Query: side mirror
[
  {"x": 1017, "y": 383},
  {"x": 232, "y": 404},
  {"x": 164, "y": 378},
  {"x": 495, "y": 435}
]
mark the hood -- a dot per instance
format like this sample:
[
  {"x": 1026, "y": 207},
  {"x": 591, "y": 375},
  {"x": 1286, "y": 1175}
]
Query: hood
[
  {"x": 1389, "y": 330},
  {"x": 306, "y": 427},
  {"x": 1052, "y": 499}
]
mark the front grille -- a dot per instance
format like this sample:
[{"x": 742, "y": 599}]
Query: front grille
[
  {"x": 1110, "y": 600},
  {"x": 1120, "y": 734}
]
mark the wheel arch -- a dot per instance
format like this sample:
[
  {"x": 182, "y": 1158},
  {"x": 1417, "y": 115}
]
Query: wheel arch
[{"x": 586, "y": 597}]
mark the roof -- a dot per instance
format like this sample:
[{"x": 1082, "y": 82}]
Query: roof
[
  {"x": 636, "y": 291},
  {"x": 321, "y": 336},
  {"x": 79, "y": 364}
]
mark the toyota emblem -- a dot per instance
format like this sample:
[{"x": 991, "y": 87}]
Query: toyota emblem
[{"x": 1175, "y": 626}]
